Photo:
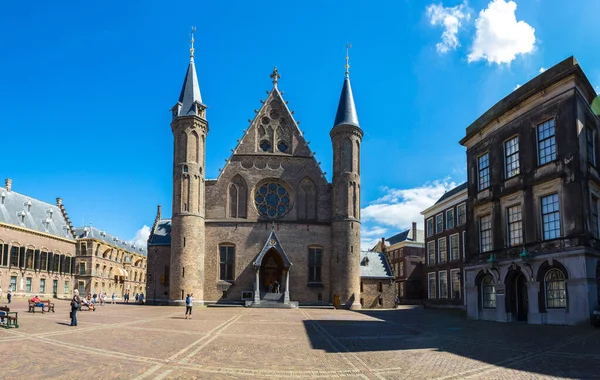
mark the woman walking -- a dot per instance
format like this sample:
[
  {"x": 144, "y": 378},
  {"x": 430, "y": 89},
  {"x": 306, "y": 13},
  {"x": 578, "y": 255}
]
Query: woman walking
[
  {"x": 9, "y": 294},
  {"x": 75, "y": 303}
]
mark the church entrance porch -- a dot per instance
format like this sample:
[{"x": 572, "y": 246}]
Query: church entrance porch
[{"x": 516, "y": 296}]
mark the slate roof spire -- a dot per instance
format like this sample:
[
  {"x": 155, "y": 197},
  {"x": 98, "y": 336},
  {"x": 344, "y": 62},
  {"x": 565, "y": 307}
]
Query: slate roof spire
[
  {"x": 190, "y": 96},
  {"x": 346, "y": 112}
]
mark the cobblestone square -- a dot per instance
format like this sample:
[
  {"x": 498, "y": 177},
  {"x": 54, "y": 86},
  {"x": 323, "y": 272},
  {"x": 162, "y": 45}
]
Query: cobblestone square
[{"x": 145, "y": 342}]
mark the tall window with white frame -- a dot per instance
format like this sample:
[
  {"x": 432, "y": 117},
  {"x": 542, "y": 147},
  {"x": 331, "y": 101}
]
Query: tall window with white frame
[
  {"x": 442, "y": 253},
  {"x": 431, "y": 253},
  {"x": 591, "y": 146},
  {"x": 443, "y": 284},
  {"x": 514, "y": 217},
  {"x": 556, "y": 289},
  {"x": 464, "y": 245},
  {"x": 439, "y": 223},
  {"x": 429, "y": 227},
  {"x": 546, "y": 142},
  {"x": 550, "y": 217},
  {"x": 483, "y": 166},
  {"x": 455, "y": 284},
  {"x": 511, "y": 157},
  {"x": 595, "y": 224},
  {"x": 431, "y": 285},
  {"x": 450, "y": 218},
  {"x": 454, "y": 253},
  {"x": 461, "y": 214},
  {"x": 485, "y": 233}
]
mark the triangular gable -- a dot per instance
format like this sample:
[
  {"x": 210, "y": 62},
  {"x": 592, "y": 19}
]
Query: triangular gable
[
  {"x": 274, "y": 122},
  {"x": 272, "y": 242}
]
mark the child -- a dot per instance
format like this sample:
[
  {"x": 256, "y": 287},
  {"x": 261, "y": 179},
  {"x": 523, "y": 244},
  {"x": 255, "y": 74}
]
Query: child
[{"x": 188, "y": 305}]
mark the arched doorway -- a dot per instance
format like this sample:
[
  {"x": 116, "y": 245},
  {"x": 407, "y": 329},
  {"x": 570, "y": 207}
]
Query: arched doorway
[
  {"x": 517, "y": 302},
  {"x": 271, "y": 271},
  {"x": 598, "y": 280}
]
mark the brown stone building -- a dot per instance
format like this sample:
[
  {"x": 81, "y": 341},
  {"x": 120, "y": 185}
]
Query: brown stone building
[
  {"x": 533, "y": 194},
  {"x": 107, "y": 264},
  {"x": 270, "y": 220},
  {"x": 445, "y": 238},
  {"x": 406, "y": 254},
  {"x": 37, "y": 246},
  {"x": 376, "y": 281}
]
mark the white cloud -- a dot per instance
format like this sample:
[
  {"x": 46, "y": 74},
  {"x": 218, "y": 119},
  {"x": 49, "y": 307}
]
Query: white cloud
[
  {"x": 397, "y": 209},
  {"x": 542, "y": 69},
  {"x": 141, "y": 237},
  {"x": 516, "y": 87},
  {"x": 451, "y": 19},
  {"x": 500, "y": 37}
]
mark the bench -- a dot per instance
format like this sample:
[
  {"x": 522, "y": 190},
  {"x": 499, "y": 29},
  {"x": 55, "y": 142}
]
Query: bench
[
  {"x": 8, "y": 318},
  {"x": 49, "y": 306}
]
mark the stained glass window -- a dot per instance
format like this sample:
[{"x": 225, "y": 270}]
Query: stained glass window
[{"x": 272, "y": 200}]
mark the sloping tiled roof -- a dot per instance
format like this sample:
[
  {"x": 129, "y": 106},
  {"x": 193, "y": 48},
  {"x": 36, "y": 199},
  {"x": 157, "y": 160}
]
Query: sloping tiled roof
[
  {"x": 27, "y": 212},
  {"x": 91, "y": 232},
  {"x": 451, "y": 192},
  {"x": 162, "y": 233},
  {"x": 374, "y": 265},
  {"x": 406, "y": 236}
]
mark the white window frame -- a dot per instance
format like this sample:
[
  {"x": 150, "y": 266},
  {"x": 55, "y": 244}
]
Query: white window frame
[
  {"x": 432, "y": 227},
  {"x": 517, "y": 169},
  {"x": 454, "y": 272},
  {"x": 448, "y": 220},
  {"x": 439, "y": 256},
  {"x": 491, "y": 229},
  {"x": 542, "y": 216},
  {"x": 485, "y": 185},
  {"x": 464, "y": 244},
  {"x": 438, "y": 230},
  {"x": 431, "y": 276},
  {"x": 509, "y": 236},
  {"x": 440, "y": 294},
  {"x": 450, "y": 251},
  {"x": 429, "y": 263},
  {"x": 553, "y": 137},
  {"x": 464, "y": 205}
]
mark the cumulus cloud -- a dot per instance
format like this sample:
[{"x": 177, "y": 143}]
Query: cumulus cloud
[
  {"x": 396, "y": 209},
  {"x": 516, "y": 87},
  {"x": 451, "y": 19},
  {"x": 542, "y": 69},
  {"x": 499, "y": 37},
  {"x": 141, "y": 237}
]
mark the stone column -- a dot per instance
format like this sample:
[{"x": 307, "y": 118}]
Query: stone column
[
  {"x": 533, "y": 314},
  {"x": 286, "y": 295},
  {"x": 257, "y": 287}
]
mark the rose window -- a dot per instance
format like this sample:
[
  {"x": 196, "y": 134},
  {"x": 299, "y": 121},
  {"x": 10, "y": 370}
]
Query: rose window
[{"x": 272, "y": 200}]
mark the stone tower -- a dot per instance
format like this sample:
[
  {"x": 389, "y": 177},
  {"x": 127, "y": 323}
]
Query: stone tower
[
  {"x": 346, "y": 137},
  {"x": 189, "y": 128}
]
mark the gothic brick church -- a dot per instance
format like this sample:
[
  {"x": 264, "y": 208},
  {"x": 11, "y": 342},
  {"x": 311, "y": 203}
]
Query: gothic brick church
[{"x": 270, "y": 229}]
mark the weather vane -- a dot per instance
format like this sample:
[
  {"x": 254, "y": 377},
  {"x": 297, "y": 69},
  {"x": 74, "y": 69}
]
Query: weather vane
[
  {"x": 192, "y": 48},
  {"x": 348, "y": 46},
  {"x": 275, "y": 76}
]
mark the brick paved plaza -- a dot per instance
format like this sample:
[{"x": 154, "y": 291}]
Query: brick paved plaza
[{"x": 137, "y": 342}]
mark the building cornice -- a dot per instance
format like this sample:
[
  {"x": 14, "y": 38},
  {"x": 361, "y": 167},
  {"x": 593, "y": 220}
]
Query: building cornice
[
  {"x": 110, "y": 245},
  {"x": 457, "y": 198},
  {"x": 37, "y": 233}
]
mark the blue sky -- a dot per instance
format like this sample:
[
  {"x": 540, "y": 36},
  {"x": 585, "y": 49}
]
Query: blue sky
[{"x": 86, "y": 88}]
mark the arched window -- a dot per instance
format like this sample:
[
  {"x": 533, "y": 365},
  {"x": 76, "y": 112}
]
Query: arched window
[
  {"x": 183, "y": 142},
  {"x": 238, "y": 194},
  {"x": 226, "y": 262},
  {"x": 185, "y": 186},
  {"x": 556, "y": 289},
  {"x": 358, "y": 157},
  {"x": 194, "y": 151},
  {"x": 488, "y": 293},
  {"x": 307, "y": 200},
  {"x": 346, "y": 155}
]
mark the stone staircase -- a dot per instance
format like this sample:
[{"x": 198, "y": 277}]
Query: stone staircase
[{"x": 273, "y": 301}]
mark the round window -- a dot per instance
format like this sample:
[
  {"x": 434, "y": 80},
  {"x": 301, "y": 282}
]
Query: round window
[
  {"x": 265, "y": 145},
  {"x": 282, "y": 146},
  {"x": 272, "y": 200}
]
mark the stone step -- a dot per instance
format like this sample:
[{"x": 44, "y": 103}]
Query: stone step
[
  {"x": 272, "y": 304},
  {"x": 272, "y": 296}
]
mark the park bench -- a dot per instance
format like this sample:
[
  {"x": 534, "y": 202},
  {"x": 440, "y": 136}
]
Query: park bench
[
  {"x": 49, "y": 306},
  {"x": 8, "y": 318}
]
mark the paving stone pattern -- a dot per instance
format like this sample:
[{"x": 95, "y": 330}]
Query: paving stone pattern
[{"x": 146, "y": 342}]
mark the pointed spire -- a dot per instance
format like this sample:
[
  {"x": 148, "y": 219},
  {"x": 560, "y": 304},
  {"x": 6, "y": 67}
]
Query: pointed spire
[
  {"x": 190, "y": 92},
  {"x": 346, "y": 112}
]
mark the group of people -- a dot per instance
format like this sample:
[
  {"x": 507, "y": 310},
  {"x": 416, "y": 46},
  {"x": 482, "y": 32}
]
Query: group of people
[
  {"x": 274, "y": 287},
  {"x": 139, "y": 298},
  {"x": 8, "y": 294}
]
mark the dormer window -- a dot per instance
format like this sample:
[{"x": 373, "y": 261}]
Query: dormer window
[
  {"x": 28, "y": 204},
  {"x": 22, "y": 216},
  {"x": 3, "y": 197},
  {"x": 50, "y": 212}
]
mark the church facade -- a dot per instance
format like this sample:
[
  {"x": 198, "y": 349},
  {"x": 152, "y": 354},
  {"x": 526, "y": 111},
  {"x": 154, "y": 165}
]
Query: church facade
[{"x": 270, "y": 229}]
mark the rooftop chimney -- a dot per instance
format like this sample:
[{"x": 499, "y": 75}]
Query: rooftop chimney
[
  {"x": 414, "y": 231},
  {"x": 58, "y": 201},
  {"x": 8, "y": 184},
  {"x": 158, "y": 212},
  {"x": 383, "y": 248}
]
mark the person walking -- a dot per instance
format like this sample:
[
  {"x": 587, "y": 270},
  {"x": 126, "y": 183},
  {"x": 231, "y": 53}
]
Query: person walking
[
  {"x": 141, "y": 298},
  {"x": 9, "y": 294},
  {"x": 188, "y": 305},
  {"x": 75, "y": 304},
  {"x": 113, "y": 298},
  {"x": 137, "y": 297}
]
